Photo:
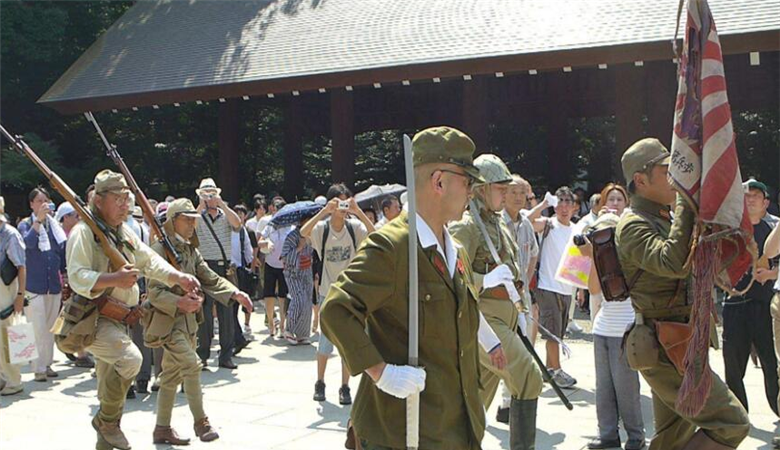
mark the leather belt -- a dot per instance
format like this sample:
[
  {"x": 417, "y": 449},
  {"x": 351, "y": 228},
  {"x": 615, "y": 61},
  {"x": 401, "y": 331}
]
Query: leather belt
[
  {"x": 500, "y": 292},
  {"x": 666, "y": 313}
]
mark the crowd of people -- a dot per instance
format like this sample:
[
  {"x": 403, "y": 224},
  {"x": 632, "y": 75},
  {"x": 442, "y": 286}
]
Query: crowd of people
[{"x": 239, "y": 259}]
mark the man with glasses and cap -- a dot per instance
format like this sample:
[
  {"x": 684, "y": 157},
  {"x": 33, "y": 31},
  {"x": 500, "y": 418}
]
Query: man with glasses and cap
[
  {"x": 174, "y": 320},
  {"x": 365, "y": 313},
  {"x": 118, "y": 359},
  {"x": 653, "y": 250},
  {"x": 492, "y": 250}
]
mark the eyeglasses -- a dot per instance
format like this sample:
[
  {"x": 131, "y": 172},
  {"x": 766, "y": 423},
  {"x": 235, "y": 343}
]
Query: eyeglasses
[
  {"x": 119, "y": 199},
  {"x": 468, "y": 177}
]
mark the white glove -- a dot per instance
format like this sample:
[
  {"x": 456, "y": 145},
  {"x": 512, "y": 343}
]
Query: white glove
[
  {"x": 401, "y": 381},
  {"x": 498, "y": 276}
]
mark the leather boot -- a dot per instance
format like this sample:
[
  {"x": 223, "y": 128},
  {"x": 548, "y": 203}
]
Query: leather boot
[
  {"x": 111, "y": 433},
  {"x": 167, "y": 435},
  {"x": 205, "y": 431},
  {"x": 522, "y": 424}
]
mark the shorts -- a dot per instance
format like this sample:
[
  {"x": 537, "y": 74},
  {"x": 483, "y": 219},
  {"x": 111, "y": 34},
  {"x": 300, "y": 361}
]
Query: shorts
[
  {"x": 273, "y": 282},
  {"x": 553, "y": 312},
  {"x": 325, "y": 346}
]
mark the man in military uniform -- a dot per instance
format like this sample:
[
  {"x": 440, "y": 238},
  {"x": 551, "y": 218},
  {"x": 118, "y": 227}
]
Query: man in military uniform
[
  {"x": 173, "y": 324},
  {"x": 648, "y": 241},
  {"x": 118, "y": 359},
  {"x": 366, "y": 312},
  {"x": 499, "y": 299}
]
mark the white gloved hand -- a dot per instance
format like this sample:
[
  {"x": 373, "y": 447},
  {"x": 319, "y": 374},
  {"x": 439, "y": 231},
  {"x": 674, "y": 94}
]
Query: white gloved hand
[
  {"x": 401, "y": 381},
  {"x": 498, "y": 276}
]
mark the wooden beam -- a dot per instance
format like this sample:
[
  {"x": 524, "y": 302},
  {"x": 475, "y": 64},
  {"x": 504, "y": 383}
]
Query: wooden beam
[
  {"x": 342, "y": 132},
  {"x": 228, "y": 144},
  {"x": 293, "y": 150}
]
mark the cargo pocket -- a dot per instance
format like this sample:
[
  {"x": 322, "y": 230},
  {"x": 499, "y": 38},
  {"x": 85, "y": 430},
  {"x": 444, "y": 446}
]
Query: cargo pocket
[{"x": 641, "y": 347}]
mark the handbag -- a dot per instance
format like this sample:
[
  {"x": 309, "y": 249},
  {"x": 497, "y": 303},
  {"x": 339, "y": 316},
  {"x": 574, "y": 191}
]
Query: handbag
[
  {"x": 8, "y": 271},
  {"x": 20, "y": 340}
]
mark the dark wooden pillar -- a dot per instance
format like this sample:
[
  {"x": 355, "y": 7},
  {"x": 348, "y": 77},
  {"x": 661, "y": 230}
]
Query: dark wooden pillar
[
  {"x": 342, "y": 132},
  {"x": 629, "y": 109},
  {"x": 293, "y": 150},
  {"x": 228, "y": 144},
  {"x": 559, "y": 168},
  {"x": 661, "y": 91},
  {"x": 475, "y": 113}
]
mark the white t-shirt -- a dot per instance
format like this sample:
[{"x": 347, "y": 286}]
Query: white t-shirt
[
  {"x": 277, "y": 237},
  {"x": 552, "y": 248},
  {"x": 613, "y": 318},
  {"x": 338, "y": 251},
  {"x": 256, "y": 225}
]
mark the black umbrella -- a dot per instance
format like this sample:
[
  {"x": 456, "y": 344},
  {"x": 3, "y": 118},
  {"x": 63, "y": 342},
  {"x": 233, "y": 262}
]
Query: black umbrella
[{"x": 294, "y": 212}]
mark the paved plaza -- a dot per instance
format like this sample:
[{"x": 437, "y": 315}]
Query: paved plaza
[{"x": 267, "y": 404}]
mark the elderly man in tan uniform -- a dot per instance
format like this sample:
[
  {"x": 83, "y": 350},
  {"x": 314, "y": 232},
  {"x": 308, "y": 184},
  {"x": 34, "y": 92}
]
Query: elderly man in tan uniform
[
  {"x": 174, "y": 320},
  {"x": 118, "y": 359}
]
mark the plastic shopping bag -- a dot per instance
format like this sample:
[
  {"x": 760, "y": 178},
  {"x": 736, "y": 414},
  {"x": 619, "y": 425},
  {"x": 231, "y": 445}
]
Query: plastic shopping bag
[{"x": 20, "y": 338}]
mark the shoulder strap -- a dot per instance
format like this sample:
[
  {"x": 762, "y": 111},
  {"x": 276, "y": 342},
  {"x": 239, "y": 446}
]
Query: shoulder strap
[
  {"x": 325, "y": 234},
  {"x": 242, "y": 242},
  {"x": 351, "y": 232},
  {"x": 206, "y": 220}
]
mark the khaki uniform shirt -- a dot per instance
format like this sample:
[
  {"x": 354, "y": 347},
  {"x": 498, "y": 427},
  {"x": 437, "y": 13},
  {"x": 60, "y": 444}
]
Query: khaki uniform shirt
[
  {"x": 647, "y": 239},
  {"x": 365, "y": 315},
  {"x": 468, "y": 233},
  {"x": 86, "y": 262},
  {"x": 165, "y": 315}
]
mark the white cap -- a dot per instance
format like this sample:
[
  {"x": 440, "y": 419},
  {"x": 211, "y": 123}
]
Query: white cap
[{"x": 63, "y": 210}]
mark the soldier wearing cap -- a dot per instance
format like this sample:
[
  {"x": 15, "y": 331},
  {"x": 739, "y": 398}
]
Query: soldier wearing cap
[
  {"x": 174, "y": 320},
  {"x": 366, "y": 312},
  {"x": 653, "y": 249},
  {"x": 500, "y": 300},
  {"x": 118, "y": 359}
]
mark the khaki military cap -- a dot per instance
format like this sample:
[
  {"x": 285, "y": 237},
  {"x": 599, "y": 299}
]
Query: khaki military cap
[
  {"x": 181, "y": 207},
  {"x": 108, "y": 181},
  {"x": 642, "y": 155},
  {"x": 445, "y": 145}
]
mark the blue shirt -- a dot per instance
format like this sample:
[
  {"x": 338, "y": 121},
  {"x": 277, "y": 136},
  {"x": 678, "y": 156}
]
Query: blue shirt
[
  {"x": 43, "y": 268},
  {"x": 11, "y": 245}
]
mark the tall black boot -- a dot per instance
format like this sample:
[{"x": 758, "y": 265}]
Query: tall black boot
[{"x": 522, "y": 424}]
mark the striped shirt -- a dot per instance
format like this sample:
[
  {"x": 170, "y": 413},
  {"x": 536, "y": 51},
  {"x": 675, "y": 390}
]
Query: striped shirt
[
  {"x": 613, "y": 318},
  {"x": 209, "y": 247}
]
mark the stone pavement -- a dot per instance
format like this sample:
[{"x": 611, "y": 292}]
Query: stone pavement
[{"x": 267, "y": 404}]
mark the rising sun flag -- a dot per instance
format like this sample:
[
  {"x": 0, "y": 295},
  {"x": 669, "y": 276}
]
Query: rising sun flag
[{"x": 705, "y": 170}]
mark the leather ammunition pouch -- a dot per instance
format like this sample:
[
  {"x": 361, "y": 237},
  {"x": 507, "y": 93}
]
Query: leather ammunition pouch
[
  {"x": 76, "y": 324},
  {"x": 119, "y": 311},
  {"x": 611, "y": 278},
  {"x": 674, "y": 338}
]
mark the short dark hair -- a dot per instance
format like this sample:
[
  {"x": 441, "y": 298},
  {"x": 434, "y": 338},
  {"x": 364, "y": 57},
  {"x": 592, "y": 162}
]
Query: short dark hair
[
  {"x": 261, "y": 203},
  {"x": 36, "y": 192},
  {"x": 240, "y": 207},
  {"x": 564, "y": 191},
  {"x": 388, "y": 202},
  {"x": 337, "y": 190},
  {"x": 279, "y": 203}
]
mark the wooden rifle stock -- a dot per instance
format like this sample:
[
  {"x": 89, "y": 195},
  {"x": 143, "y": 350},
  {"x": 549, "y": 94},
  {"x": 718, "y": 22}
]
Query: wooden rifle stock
[
  {"x": 100, "y": 229},
  {"x": 155, "y": 226}
]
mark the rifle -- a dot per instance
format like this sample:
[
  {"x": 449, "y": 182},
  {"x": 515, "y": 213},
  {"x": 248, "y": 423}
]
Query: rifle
[
  {"x": 98, "y": 227},
  {"x": 545, "y": 374},
  {"x": 154, "y": 223}
]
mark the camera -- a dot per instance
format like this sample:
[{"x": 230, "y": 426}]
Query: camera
[
  {"x": 344, "y": 205},
  {"x": 579, "y": 239}
]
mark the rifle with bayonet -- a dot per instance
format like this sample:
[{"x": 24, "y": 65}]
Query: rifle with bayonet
[
  {"x": 155, "y": 226},
  {"x": 102, "y": 232}
]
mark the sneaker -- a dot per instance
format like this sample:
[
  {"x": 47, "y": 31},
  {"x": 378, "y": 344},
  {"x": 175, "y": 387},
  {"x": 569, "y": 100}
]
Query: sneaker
[
  {"x": 502, "y": 415},
  {"x": 41, "y": 377},
  {"x": 247, "y": 330},
  {"x": 574, "y": 327},
  {"x": 563, "y": 379},
  {"x": 345, "y": 398},
  {"x": 11, "y": 390},
  {"x": 602, "y": 444},
  {"x": 319, "y": 391},
  {"x": 50, "y": 373},
  {"x": 635, "y": 444},
  {"x": 85, "y": 363}
]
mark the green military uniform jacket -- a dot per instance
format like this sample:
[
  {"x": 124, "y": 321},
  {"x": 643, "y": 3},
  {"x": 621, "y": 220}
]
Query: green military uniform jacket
[
  {"x": 646, "y": 238},
  {"x": 165, "y": 315},
  {"x": 467, "y": 232},
  {"x": 365, "y": 315}
]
